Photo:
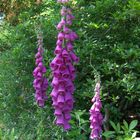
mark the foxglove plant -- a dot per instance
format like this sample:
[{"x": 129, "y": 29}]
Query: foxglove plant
[
  {"x": 40, "y": 83},
  {"x": 63, "y": 69},
  {"x": 96, "y": 117}
]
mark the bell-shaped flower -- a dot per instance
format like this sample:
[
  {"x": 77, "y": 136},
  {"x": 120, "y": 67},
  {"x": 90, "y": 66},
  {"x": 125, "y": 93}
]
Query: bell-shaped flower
[
  {"x": 59, "y": 26},
  {"x": 69, "y": 22},
  {"x": 55, "y": 104},
  {"x": 66, "y": 74},
  {"x": 58, "y": 49},
  {"x": 66, "y": 29},
  {"x": 69, "y": 46},
  {"x": 68, "y": 36},
  {"x": 71, "y": 68},
  {"x": 53, "y": 66},
  {"x": 59, "y": 42},
  {"x": 60, "y": 101},
  {"x": 40, "y": 101},
  {"x": 62, "y": 67},
  {"x": 66, "y": 125},
  {"x": 63, "y": 11},
  {"x": 65, "y": 54},
  {"x": 74, "y": 57},
  {"x": 68, "y": 97},
  {"x": 57, "y": 74},
  {"x": 61, "y": 36},
  {"x": 55, "y": 82},
  {"x": 58, "y": 111},
  {"x": 73, "y": 36},
  {"x": 38, "y": 60},
  {"x": 38, "y": 55},
  {"x": 54, "y": 93},
  {"x": 60, "y": 120},
  {"x": 67, "y": 116},
  {"x": 68, "y": 60}
]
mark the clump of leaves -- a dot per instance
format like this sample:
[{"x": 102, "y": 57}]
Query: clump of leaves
[{"x": 122, "y": 132}]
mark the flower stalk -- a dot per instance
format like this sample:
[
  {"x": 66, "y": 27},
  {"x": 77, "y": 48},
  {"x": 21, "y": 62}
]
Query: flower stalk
[
  {"x": 40, "y": 83},
  {"x": 63, "y": 69},
  {"x": 96, "y": 118}
]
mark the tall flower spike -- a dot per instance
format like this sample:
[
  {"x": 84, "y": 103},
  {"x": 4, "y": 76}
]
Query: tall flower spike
[
  {"x": 96, "y": 117},
  {"x": 40, "y": 83},
  {"x": 63, "y": 69}
]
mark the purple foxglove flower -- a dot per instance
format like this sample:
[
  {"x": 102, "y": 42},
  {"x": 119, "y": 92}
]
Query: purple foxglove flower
[
  {"x": 69, "y": 22},
  {"x": 53, "y": 66},
  {"x": 68, "y": 60},
  {"x": 73, "y": 36},
  {"x": 57, "y": 74},
  {"x": 61, "y": 36},
  {"x": 57, "y": 60},
  {"x": 59, "y": 42},
  {"x": 54, "y": 82},
  {"x": 66, "y": 125},
  {"x": 63, "y": 70},
  {"x": 59, "y": 26},
  {"x": 63, "y": 11},
  {"x": 60, "y": 120},
  {"x": 68, "y": 36},
  {"x": 38, "y": 60},
  {"x": 71, "y": 68},
  {"x": 67, "y": 116},
  {"x": 40, "y": 102},
  {"x": 44, "y": 69},
  {"x": 58, "y": 112},
  {"x": 40, "y": 83},
  {"x": 60, "y": 99},
  {"x": 68, "y": 97},
  {"x": 38, "y": 55},
  {"x": 63, "y": 22},
  {"x": 66, "y": 29},
  {"x": 66, "y": 74},
  {"x": 69, "y": 46},
  {"x": 54, "y": 93},
  {"x": 70, "y": 17},
  {"x": 61, "y": 89},
  {"x": 65, "y": 54},
  {"x": 74, "y": 57},
  {"x": 66, "y": 108},
  {"x": 96, "y": 117},
  {"x": 58, "y": 49}
]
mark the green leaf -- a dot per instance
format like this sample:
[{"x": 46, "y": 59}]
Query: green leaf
[
  {"x": 133, "y": 124},
  {"x": 108, "y": 134},
  {"x": 134, "y": 135},
  {"x": 113, "y": 125},
  {"x": 126, "y": 125},
  {"x": 118, "y": 127},
  {"x": 123, "y": 127}
]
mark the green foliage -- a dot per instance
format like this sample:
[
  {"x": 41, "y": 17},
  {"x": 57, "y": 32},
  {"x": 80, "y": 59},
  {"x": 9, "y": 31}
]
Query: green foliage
[
  {"x": 108, "y": 47},
  {"x": 122, "y": 132}
]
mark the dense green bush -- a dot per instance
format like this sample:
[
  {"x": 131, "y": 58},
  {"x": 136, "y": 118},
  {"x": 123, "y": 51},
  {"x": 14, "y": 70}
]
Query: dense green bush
[{"x": 108, "y": 47}]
